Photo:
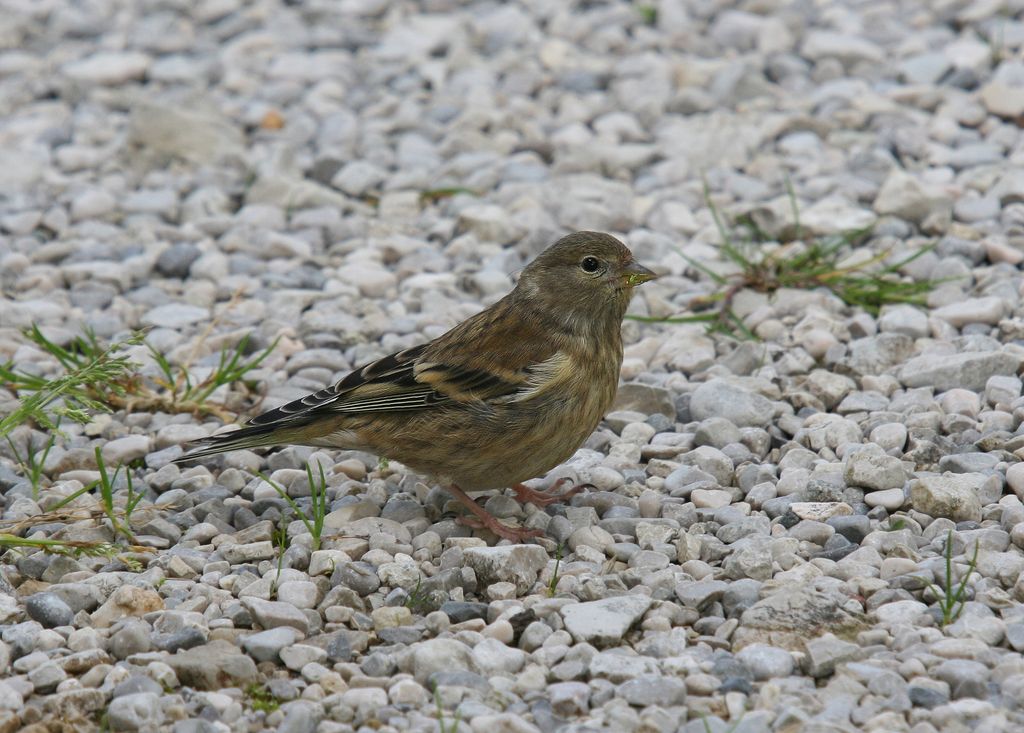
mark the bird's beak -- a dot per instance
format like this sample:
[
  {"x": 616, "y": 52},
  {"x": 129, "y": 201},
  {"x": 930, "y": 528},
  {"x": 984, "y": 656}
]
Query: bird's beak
[{"x": 635, "y": 274}]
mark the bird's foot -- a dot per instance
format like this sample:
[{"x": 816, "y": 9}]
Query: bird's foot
[
  {"x": 514, "y": 534},
  {"x": 543, "y": 498},
  {"x": 483, "y": 519}
]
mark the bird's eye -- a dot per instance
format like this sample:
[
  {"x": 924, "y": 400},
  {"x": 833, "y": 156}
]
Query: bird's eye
[{"x": 590, "y": 264}]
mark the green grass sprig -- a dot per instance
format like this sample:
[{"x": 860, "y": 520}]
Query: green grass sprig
[
  {"x": 799, "y": 264},
  {"x": 953, "y": 596},
  {"x": 318, "y": 491},
  {"x": 93, "y": 376}
]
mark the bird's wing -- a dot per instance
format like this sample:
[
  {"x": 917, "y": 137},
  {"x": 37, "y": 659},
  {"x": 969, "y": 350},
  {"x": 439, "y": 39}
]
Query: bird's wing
[
  {"x": 386, "y": 384},
  {"x": 413, "y": 379},
  {"x": 489, "y": 359}
]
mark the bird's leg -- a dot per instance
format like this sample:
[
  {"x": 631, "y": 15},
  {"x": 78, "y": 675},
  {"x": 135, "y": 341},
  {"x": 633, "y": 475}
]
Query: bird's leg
[
  {"x": 543, "y": 498},
  {"x": 485, "y": 520}
]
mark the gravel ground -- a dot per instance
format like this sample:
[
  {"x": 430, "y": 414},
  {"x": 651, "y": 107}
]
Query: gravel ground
[{"x": 354, "y": 177}]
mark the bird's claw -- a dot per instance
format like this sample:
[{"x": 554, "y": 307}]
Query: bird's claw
[
  {"x": 544, "y": 498},
  {"x": 513, "y": 534}
]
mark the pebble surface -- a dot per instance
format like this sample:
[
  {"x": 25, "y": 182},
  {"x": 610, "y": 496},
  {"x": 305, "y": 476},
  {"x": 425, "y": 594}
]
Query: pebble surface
[{"x": 765, "y": 535}]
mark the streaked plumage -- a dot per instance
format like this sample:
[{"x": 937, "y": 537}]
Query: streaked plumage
[{"x": 504, "y": 396}]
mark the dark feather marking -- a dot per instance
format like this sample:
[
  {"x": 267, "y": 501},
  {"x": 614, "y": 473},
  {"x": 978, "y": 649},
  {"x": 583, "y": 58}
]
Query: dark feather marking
[
  {"x": 471, "y": 379},
  {"x": 408, "y": 401}
]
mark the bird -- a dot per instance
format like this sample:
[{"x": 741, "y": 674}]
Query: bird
[{"x": 502, "y": 397}]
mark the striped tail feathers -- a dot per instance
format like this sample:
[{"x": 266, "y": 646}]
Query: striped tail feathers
[
  {"x": 248, "y": 436},
  {"x": 222, "y": 442}
]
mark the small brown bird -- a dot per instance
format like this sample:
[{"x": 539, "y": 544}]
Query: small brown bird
[{"x": 503, "y": 397}]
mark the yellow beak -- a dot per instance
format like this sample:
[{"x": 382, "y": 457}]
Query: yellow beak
[{"x": 635, "y": 274}]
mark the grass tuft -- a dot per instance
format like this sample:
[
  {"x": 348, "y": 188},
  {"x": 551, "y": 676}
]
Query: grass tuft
[
  {"x": 120, "y": 520},
  {"x": 32, "y": 462},
  {"x": 261, "y": 699},
  {"x": 442, "y": 719},
  {"x": 417, "y": 599},
  {"x": 117, "y": 513},
  {"x": 553, "y": 583},
  {"x": 93, "y": 377},
  {"x": 279, "y": 538},
  {"x": 648, "y": 13},
  {"x": 766, "y": 266},
  {"x": 318, "y": 489},
  {"x": 103, "y": 379},
  {"x": 177, "y": 392},
  {"x": 952, "y": 599}
]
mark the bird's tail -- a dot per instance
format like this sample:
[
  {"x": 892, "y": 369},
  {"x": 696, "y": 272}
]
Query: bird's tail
[{"x": 255, "y": 436}]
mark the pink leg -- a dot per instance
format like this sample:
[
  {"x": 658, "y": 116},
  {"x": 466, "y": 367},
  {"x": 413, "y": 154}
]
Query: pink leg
[
  {"x": 486, "y": 520},
  {"x": 543, "y": 498}
]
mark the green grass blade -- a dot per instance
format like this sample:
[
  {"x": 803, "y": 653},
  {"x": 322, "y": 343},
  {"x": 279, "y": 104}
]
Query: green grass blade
[
  {"x": 718, "y": 279},
  {"x": 291, "y": 502},
  {"x": 74, "y": 495},
  {"x": 701, "y": 318}
]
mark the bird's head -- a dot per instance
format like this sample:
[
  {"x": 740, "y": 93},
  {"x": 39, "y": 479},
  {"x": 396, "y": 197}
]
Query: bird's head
[{"x": 585, "y": 278}]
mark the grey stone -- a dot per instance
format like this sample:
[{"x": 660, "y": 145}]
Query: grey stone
[
  {"x": 811, "y": 531},
  {"x": 905, "y": 319},
  {"x": 213, "y": 666},
  {"x": 175, "y": 315},
  {"x": 721, "y": 398},
  {"x": 960, "y": 672},
  {"x": 987, "y": 310},
  {"x": 854, "y": 527},
  {"x": 717, "y": 432},
  {"x": 492, "y": 657},
  {"x": 272, "y": 614},
  {"x": 970, "y": 370},
  {"x": 766, "y": 662},
  {"x": 176, "y": 260},
  {"x": 699, "y": 593},
  {"x": 127, "y": 449},
  {"x": 791, "y": 615},
  {"x": 905, "y": 196},
  {"x": 182, "y": 639},
  {"x": 440, "y": 655},
  {"x": 645, "y": 399},
  {"x": 297, "y": 656},
  {"x": 926, "y": 697},
  {"x": 360, "y": 577},
  {"x": 683, "y": 480},
  {"x": 300, "y": 716},
  {"x": 459, "y": 611},
  {"x": 753, "y": 560},
  {"x": 924, "y": 68},
  {"x": 648, "y": 690},
  {"x": 872, "y": 469},
  {"x": 265, "y": 646},
  {"x": 606, "y": 621},
  {"x": 49, "y": 609},
  {"x": 1015, "y": 635},
  {"x": 195, "y": 132},
  {"x": 954, "y": 496},
  {"x": 821, "y": 44},
  {"x": 109, "y": 68},
  {"x": 825, "y": 652},
  {"x": 138, "y": 712},
  {"x": 132, "y": 638},
  {"x": 136, "y": 684},
  {"x": 358, "y": 177},
  {"x": 516, "y": 564},
  {"x": 46, "y": 677}
]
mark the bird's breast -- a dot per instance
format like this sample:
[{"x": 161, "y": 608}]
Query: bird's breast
[{"x": 531, "y": 436}]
